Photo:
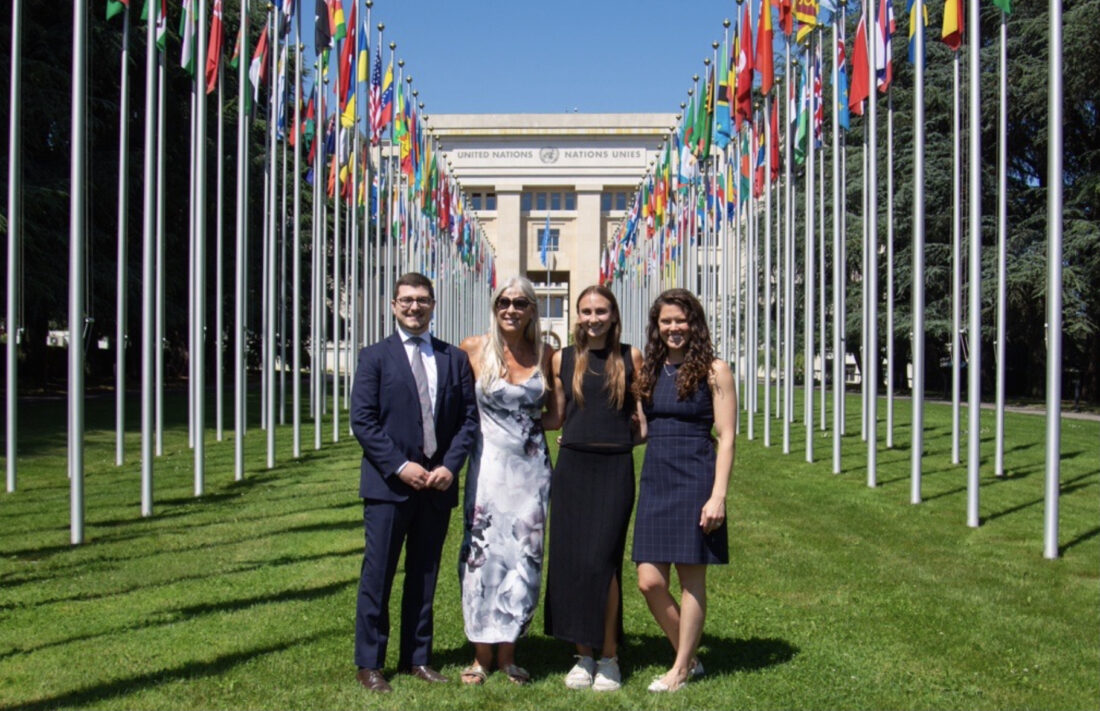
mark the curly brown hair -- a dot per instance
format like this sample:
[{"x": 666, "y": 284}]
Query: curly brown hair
[{"x": 698, "y": 359}]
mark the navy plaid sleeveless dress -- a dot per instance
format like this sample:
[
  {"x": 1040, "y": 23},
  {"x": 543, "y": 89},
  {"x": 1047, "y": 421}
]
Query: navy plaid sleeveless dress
[{"x": 677, "y": 477}]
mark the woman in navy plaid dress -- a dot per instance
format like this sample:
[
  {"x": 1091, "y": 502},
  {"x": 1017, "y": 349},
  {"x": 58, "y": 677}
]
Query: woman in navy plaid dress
[{"x": 681, "y": 518}]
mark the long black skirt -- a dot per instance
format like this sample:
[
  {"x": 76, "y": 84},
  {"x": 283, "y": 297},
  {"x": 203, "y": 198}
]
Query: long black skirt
[{"x": 591, "y": 497}]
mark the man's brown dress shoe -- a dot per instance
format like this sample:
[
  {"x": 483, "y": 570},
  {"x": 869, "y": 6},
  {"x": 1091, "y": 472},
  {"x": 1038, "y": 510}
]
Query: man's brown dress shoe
[
  {"x": 372, "y": 680},
  {"x": 426, "y": 673}
]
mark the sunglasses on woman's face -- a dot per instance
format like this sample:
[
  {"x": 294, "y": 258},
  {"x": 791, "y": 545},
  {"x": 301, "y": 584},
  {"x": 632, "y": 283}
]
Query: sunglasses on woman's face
[{"x": 504, "y": 303}]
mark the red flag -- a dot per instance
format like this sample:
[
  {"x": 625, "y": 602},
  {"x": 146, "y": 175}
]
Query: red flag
[
  {"x": 347, "y": 56},
  {"x": 786, "y": 17},
  {"x": 861, "y": 72},
  {"x": 214, "y": 50},
  {"x": 953, "y": 23},
  {"x": 744, "y": 68},
  {"x": 764, "y": 62}
]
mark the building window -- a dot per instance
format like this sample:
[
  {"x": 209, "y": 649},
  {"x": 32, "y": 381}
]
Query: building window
[
  {"x": 483, "y": 201},
  {"x": 553, "y": 200},
  {"x": 555, "y": 309},
  {"x": 613, "y": 200},
  {"x": 552, "y": 244}
]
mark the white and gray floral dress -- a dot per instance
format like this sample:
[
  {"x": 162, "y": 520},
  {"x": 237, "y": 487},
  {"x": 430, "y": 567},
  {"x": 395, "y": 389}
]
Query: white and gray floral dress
[{"x": 507, "y": 492}]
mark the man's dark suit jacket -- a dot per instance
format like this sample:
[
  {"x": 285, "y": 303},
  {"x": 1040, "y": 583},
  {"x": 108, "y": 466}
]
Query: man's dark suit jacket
[{"x": 385, "y": 417}]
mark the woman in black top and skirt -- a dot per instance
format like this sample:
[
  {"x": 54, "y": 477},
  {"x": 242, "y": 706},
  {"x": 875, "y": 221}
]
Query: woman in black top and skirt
[
  {"x": 681, "y": 520},
  {"x": 592, "y": 489}
]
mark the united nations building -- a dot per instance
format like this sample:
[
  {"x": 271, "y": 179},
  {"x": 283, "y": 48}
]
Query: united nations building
[{"x": 573, "y": 172}]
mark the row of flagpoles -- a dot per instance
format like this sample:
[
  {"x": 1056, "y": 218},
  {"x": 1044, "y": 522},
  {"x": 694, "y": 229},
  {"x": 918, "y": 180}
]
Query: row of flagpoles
[
  {"x": 713, "y": 215},
  {"x": 382, "y": 202}
]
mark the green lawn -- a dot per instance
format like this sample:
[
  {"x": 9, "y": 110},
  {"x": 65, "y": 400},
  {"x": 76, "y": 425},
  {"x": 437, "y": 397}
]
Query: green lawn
[{"x": 839, "y": 596}]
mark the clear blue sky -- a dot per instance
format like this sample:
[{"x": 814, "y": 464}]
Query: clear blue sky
[{"x": 539, "y": 56}]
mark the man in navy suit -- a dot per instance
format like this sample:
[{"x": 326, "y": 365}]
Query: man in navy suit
[{"x": 415, "y": 416}]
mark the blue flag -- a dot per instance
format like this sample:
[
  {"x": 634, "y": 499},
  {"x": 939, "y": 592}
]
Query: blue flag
[{"x": 544, "y": 243}]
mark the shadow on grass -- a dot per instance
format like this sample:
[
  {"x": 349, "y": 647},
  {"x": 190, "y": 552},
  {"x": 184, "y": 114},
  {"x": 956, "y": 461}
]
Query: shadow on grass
[
  {"x": 185, "y": 672},
  {"x": 1080, "y": 539},
  {"x": 547, "y": 657},
  {"x": 1066, "y": 487}
]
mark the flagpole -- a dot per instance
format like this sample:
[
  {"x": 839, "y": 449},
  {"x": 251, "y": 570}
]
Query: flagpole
[
  {"x": 819, "y": 64},
  {"x": 149, "y": 214},
  {"x": 916, "y": 450},
  {"x": 219, "y": 263},
  {"x": 872, "y": 355},
  {"x": 1054, "y": 280},
  {"x": 200, "y": 268},
  {"x": 788, "y": 257},
  {"x": 1002, "y": 238},
  {"x": 121, "y": 263},
  {"x": 956, "y": 265},
  {"x": 317, "y": 367},
  {"x": 768, "y": 138},
  {"x": 240, "y": 375},
  {"x": 78, "y": 233},
  {"x": 296, "y": 258},
  {"x": 336, "y": 232},
  {"x": 808, "y": 273},
  {"x": 272, "y": 231},
  {"x": 974, "y": 367},
  {"x": 889, "y": 267},
  {"x": 15, "y": 235},
  {"x": 158, "y": 278},
  {"x": 838, "y": 207}
]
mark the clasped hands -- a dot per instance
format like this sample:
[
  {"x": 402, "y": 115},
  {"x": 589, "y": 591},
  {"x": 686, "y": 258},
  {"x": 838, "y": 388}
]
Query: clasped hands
[{"x": 420, "y": 478}]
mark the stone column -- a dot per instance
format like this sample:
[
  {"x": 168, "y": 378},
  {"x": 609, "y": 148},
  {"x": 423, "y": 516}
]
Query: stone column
[
  {"x": 586, "y": 265},
  {"x": 510, "y": 244}
]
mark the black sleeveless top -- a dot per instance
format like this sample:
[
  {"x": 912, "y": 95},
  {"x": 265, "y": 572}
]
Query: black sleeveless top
[{"x": 598, "y": 426}]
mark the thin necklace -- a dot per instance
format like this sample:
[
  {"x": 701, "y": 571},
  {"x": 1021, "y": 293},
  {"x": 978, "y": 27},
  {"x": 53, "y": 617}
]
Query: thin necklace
[{"x": 669, "y": 371}]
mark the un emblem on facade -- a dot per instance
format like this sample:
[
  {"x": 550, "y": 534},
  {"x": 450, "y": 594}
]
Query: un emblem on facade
[{"x": 548, "y": 155}]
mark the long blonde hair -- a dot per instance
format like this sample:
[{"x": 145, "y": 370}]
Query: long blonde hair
[
  {"x": 492, "y": 355},
  {"x": 614, "y": 370}
]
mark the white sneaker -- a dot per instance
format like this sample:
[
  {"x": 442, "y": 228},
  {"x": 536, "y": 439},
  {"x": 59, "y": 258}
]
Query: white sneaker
[
  {"x": 580, "y": 676},
  {"x": 608, "y": 677}
]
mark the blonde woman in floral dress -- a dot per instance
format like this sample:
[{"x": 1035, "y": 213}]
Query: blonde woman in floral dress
[{"x": 507, "y": 483}]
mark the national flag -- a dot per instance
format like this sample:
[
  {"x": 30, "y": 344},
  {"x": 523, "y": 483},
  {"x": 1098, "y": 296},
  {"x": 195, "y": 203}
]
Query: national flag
[
  {"x": 162, "y": 25},
  {"x": 826, "y": 12},
  {"x": 544, "y": 243},
  {"x": 841, "y": 86},
  {"x": 187, "y": 35},
  {"x": 802, "y": 133},
  {"x": 744, "y": 68},
  {"x": 911, "y": 10},
  {"x": 322, "y": 28},
  {"x": 235, "y": 58},
  {"x": 285, "y": 17},
  {"x": 952, "y": 34},
  {"x": 745, "y": 185},
  {"x": 339, "y": 25},
  {"x": 386, "y": 110},
  {"x": 861, "y": 80},
  {"x": 805, "y": 11},
  {"x": 347, "y": 62},
  {"x": 722, "y": 131},
  {"x": 884, "y": 49},
  {"x": 374, "y": 99},
  {"x": 214, "y": 50},
  {"x": 1005, "y": 5},
  {"x": 281, "y": 94},
  {"x": 363, "y": 61},
  {"x": 764, "y": 60},
  {"x": 760, "y": 157},
  {"x": 704, "y": 120},
  {"x": 786, "y": 17},
  {"x": 257, "y": 70},
  {"x": 818, "y": 100},
  {"x": 116, "y": 6}
]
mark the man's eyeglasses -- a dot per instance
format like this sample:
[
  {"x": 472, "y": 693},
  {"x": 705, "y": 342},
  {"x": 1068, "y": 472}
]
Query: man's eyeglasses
[
  {"x": 407, "y": 301},
  {"x": 504, "y": 303}
]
